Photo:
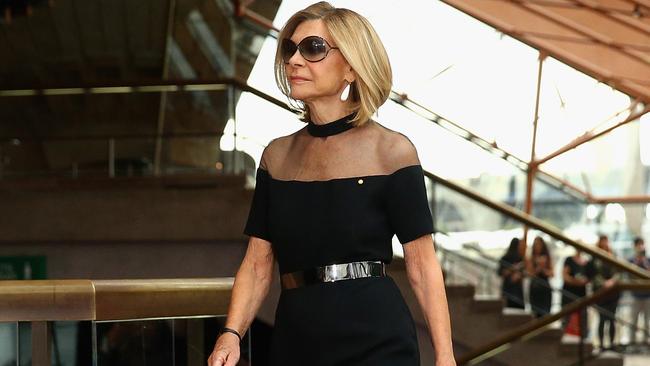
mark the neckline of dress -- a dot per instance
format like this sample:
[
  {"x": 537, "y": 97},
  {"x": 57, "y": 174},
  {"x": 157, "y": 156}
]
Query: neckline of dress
[
  {"x": 331, "y": 128},
  {"x": 342, "y": 178}
]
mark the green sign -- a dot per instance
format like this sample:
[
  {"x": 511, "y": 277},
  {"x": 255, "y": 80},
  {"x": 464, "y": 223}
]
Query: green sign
[{"x": 23, "y": 268}]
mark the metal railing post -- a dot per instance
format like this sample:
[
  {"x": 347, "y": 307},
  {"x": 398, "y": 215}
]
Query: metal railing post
[
  {"x": 581, "y": 342},
  {"x": 17, "y": 343},
  {"x": 111, "y": 158},
  {"x": 93, "y": 326},
  {"x": 41, "y": 343}
]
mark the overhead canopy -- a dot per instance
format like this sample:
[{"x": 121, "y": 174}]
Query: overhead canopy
[{"x": 607, "y": 39}]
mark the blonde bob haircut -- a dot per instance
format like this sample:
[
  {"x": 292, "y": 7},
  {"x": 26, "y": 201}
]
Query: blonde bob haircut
[{"x": 361, "y": 47}]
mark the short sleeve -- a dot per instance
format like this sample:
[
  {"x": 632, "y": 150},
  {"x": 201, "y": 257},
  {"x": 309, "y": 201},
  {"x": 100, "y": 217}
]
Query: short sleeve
[
  {"x": 258, "y": 216},
  {"x": 408, "y": 207}
]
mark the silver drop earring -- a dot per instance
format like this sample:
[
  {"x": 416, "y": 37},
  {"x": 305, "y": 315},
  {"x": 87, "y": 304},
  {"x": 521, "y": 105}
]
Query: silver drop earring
[{"x": 346, "y": 93}]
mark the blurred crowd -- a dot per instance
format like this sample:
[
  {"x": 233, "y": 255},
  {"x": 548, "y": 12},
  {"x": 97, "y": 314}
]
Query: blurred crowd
[{"x": 531, "y": 272}]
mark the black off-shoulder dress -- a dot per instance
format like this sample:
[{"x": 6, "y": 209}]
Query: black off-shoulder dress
[{"x": 314, "y": 223}]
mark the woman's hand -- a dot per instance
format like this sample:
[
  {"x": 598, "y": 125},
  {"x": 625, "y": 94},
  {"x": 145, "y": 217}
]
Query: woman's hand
[
  {"x": 226, "y": 351},
  {"x": 610, "y": 282}
]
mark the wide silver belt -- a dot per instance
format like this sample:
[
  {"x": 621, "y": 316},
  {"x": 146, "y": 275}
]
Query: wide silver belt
[{"x": 332, "y": 273}]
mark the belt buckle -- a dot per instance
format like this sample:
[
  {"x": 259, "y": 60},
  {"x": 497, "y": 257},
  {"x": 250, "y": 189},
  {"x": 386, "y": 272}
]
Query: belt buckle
[
  {"x": 333, "y": 273},
  {"x": 347, "y": 271}
]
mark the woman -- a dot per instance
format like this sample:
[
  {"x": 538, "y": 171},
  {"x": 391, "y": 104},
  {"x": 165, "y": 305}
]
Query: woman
[
  {"x": 328, "y": 200},
  {"x": 576, "y": 275},
  {"x": 540, "y": 269},
  {"x": 511, "y": 267},
  {"x": 604, "y": 276},
  {"x": 641, "y": 299}
]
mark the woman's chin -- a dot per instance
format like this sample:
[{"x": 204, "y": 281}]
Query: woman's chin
[{"x": 301, "y": 95}]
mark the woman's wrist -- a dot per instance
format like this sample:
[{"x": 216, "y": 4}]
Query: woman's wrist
[
  {"x": 231, "y": 331},
  {"x": 444, "y": 356}
]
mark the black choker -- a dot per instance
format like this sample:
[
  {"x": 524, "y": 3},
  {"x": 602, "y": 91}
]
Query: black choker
[{"x": 330, "y": 128}]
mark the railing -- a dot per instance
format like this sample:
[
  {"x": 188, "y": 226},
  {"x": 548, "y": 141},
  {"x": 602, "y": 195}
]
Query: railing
[
  {"x": 537, "y": 327},
  {"x": 455, "y": 266},
  {"x": 535, "y": 223},
  {"x": 107, "y": 304},
  {"x": 458, "y": 269},
  {"x": 111, "y": 162},
  {"x": 529, "y": 330}
]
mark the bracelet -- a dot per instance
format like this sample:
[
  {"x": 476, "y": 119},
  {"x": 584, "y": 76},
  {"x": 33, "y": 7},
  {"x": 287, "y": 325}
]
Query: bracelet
[{"x": 229, "y": 330}]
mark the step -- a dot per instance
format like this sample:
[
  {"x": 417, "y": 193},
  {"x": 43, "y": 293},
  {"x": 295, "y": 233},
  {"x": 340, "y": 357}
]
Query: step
[
  {"x": 553, "y": 334},
  {"x": 534, "y": 352},
  {"x": 459, "y": 290},
  {"x": 487, "y": 305},
  {"x": 569, "y": 346},
  {"x": 608, "y": 359},
  {"x": 512, "y": 320}
]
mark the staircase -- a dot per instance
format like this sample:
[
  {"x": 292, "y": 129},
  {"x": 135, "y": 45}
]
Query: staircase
[
  {"x": 478, "y": 320},
  {"x": 475, "y": 321}
]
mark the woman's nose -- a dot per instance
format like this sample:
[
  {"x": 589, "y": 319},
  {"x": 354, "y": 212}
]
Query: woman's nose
[{"x": 296, "y": 59}]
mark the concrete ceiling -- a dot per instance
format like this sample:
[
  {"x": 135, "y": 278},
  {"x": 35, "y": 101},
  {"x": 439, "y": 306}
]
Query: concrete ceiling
[{"x": 76, "y": 43}]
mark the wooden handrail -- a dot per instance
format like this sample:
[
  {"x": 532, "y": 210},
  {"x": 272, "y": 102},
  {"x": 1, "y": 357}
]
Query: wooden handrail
[
  {"x": 489, "y": 349},
  {"x": 540, "y": 225},
  {"x": 52, "y": 300},
  {"x": 474, "y": 261}
]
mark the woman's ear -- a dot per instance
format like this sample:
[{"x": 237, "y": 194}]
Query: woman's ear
[{"x": 350, "y": 75}]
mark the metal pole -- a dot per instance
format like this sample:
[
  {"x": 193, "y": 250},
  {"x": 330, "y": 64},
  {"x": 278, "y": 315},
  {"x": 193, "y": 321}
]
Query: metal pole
[
  {"x": 2, "y": 163},
  {"x": 111, "y": 158},
  {"x": 17, "y": 343},
  {"x": 173, "y": 326},
  {"x": 581, "y": 344},
  {"x": 592, "y": 136},
  {"x": 231, "y": 117},
  {"x": 532, "y": 166},
  {"x": 232, "y": 105},
  {"x": 160, "y": 127},
  {"x": 93, "y": 326},
  {"x": 41, "y": 343}
]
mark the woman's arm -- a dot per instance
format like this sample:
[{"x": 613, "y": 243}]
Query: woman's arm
[
  {"x": 505, "y": 270},
  {"x": 251, "y": 286},
  {"x": 530, "y": 265},
  {"x": 425, "y": 276},
  {"x": 571, "y": 280},
  {"x": 566, "y": 276},
  {"x": 549, "y": 271}
]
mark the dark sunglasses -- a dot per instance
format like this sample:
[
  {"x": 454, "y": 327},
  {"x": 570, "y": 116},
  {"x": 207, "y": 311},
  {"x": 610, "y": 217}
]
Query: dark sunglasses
[{"x": 312, "y": 48}]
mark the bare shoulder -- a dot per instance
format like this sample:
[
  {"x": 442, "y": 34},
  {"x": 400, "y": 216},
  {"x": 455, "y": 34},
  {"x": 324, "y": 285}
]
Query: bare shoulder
[
  {"x": 395, "y": 148},
  {"x": 277, "y": 149}
]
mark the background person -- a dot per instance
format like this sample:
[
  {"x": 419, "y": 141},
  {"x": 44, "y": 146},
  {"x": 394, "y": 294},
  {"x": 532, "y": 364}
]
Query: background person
[
  {"x": 540, "y": 269},
  {"x": 641, "y": 299},
  {"x": 511, "y": 269}
]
